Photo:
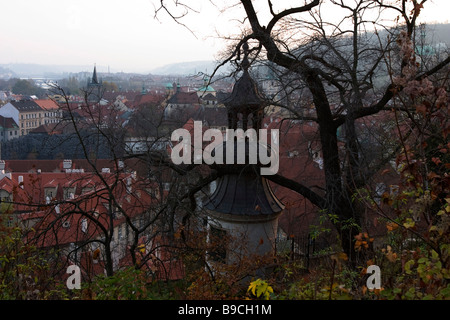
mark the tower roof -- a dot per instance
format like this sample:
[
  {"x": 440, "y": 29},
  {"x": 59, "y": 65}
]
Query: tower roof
[
  {"x": 242, "y": 191},
  {"x": 206, "y": 87},
  {"x": 244, "y": 194},
  {"x": 245, "y": 93}
]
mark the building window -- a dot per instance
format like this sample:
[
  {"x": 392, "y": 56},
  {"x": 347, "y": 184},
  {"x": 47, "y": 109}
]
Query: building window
[{"x": 218, "y": 239}]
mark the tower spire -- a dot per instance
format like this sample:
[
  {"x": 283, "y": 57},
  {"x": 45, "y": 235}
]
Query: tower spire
[
  {"x": 245, "y": 100},
  {"x": 94, "y": 75},
  {"x": 245, "y": 64}
]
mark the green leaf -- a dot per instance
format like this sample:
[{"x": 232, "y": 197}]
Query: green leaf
[
  {"x": 422, "y": 260},
  {"x": 434, "y": 255},
  {"x": 408, "y": 266}
]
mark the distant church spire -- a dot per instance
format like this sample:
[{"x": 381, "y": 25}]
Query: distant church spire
[
  {"x": 94, "y": 76},
  {"x": 94, "y": 82},
  {"x": 94, "y": 87}
]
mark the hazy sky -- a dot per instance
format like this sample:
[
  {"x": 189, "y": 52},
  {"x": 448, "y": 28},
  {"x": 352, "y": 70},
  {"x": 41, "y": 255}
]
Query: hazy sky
[{"x": 117, "y": 33}]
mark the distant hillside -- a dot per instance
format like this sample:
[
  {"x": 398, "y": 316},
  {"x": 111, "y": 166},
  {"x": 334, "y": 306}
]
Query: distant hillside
[
  {"x": 438, "y": 33},
  {"x": 27, "y": 70},
  {"x": 185, "y": 68},
  {"x": 32, "y": 70},
  {"x": 435, "y": 33},
  {"x": 6, "y": 73}
]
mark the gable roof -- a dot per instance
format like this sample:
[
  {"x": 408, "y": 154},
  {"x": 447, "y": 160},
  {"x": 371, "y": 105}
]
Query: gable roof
[
  {"x": 209, "y": 97},
  {"x": 181, "y": 97},
  {"x": 26, "y": 105},
  {"x": 49, "y": 129},
  {"x": 146, "y": 98},
  {"x": 47, "y": 104},
  {"x": 8, "y": 123}
]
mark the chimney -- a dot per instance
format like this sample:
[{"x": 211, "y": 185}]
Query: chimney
[
  {"x": 129, "y": 185},
  {"x": 2, "y": 164},
  {"x": 67, "y": 164},
  {"x": 20, "y": 180}
]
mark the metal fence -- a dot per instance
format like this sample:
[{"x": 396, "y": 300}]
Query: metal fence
[{"x": 306, "y": 248}]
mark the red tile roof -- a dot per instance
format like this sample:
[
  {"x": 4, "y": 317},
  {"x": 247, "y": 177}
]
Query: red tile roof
[
  {"x": 51, "y": 128},
  {"x": 181, "y": 97},
  {"x": 94, "y": 201},
  {"x": 147, "y": 98},
  {"x": 47, "y": 104}
]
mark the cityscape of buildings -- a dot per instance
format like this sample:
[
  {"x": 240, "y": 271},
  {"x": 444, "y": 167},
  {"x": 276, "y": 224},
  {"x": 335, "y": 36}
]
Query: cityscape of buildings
[
  {"x": 36, "y": 181},
  {"x": 81, "y": 160}
]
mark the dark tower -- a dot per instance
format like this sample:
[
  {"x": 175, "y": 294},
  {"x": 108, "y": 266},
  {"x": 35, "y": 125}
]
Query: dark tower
[
  {"x": 93, "y": 82},
  {"x": 245, "y": 102},
  {"x": 243, "y": 205},
  {"x": 94, "y": 87},
  {"x": 94, "y": 77}
]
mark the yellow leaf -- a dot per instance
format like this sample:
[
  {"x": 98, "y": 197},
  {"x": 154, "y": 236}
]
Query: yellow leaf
[
  {"x": 409, "y": 223},
  {"x": 253, "y": 286}
]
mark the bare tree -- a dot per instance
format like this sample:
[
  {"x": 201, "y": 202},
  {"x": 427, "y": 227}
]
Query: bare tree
[
  {"x": 344, "y": 68},
  {"x": 116, "y": 216}
]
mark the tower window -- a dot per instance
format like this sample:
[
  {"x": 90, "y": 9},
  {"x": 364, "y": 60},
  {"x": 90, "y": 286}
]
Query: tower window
[{"x": 218, "y": 239}]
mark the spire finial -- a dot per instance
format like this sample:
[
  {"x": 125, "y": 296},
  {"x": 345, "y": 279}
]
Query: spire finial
[{"x": 245, "y": 63}]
